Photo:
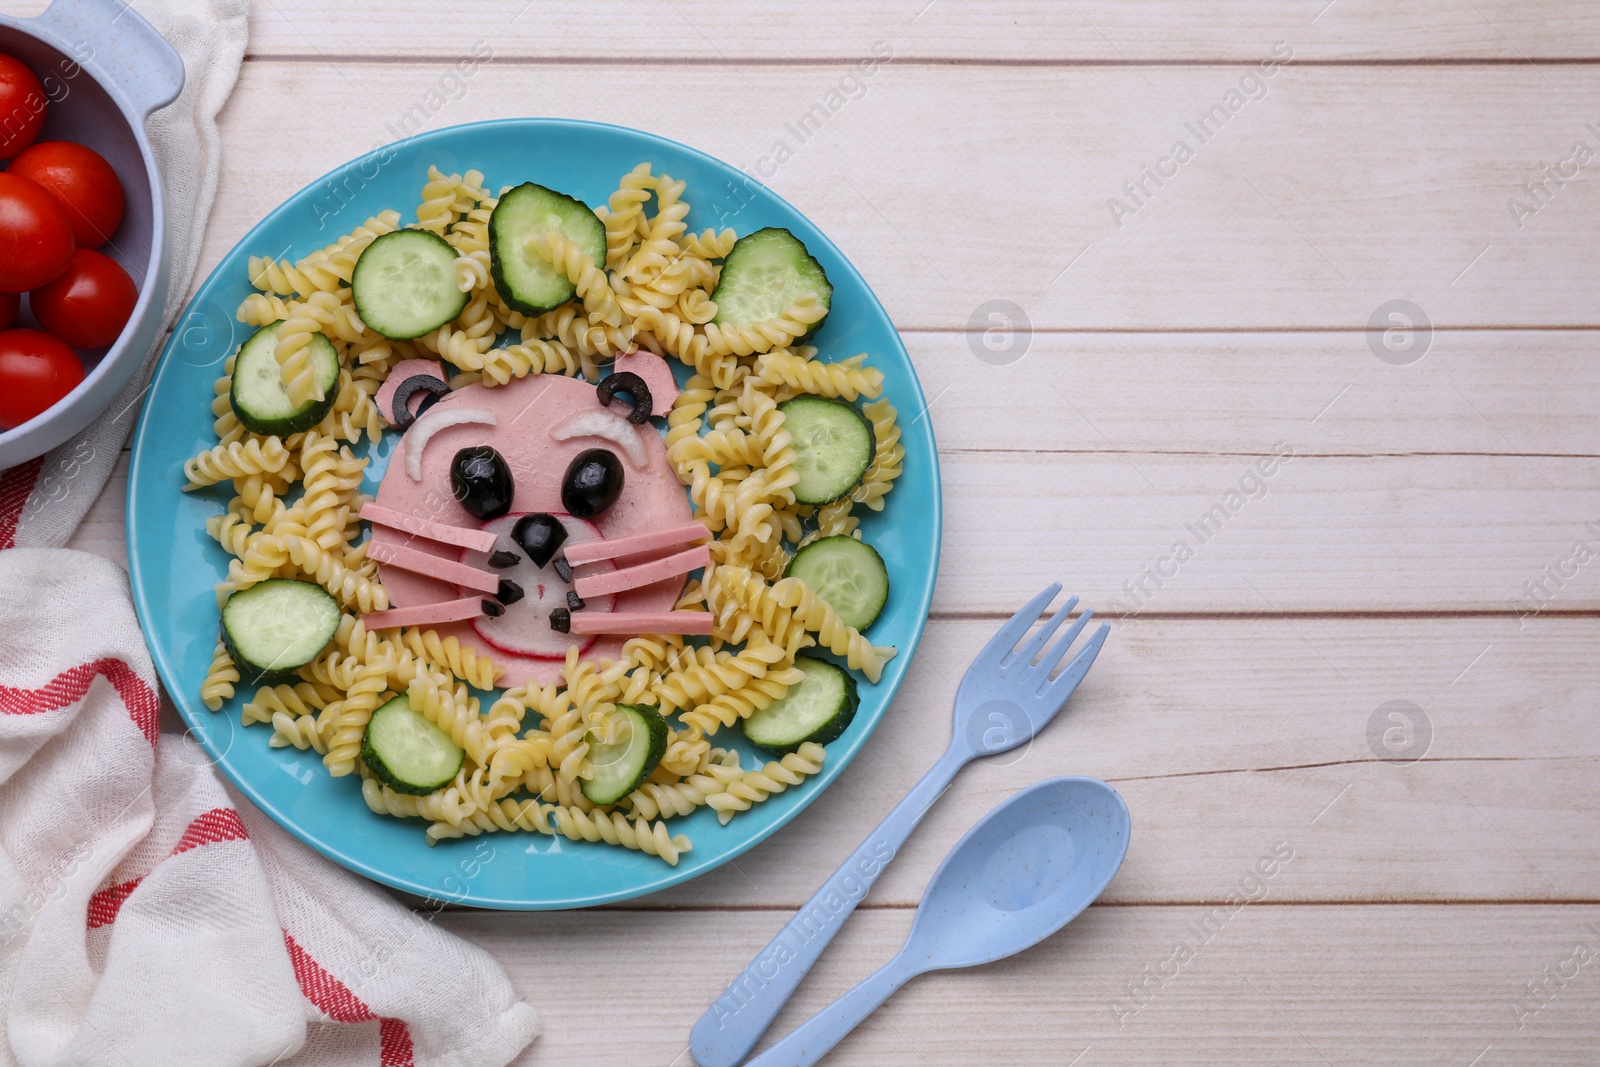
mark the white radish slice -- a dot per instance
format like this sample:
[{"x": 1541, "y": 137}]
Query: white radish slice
[
  {"x": 524, "y": 629},
  {"x": 607, "y": 424},
  {"x": 432, "y": 421}
]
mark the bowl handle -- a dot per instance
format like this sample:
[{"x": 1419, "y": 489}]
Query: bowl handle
[{"x": 110, "y": 37}]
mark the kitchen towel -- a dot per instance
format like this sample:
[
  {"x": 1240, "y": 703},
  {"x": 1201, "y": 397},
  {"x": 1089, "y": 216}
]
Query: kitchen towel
[
  {"x": 148, "y": 918},
  {"x": 43, "y": 500}
]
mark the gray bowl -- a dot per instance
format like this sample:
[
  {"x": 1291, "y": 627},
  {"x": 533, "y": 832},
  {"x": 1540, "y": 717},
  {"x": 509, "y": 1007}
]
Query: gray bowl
[{"x": 104, "y": 70}]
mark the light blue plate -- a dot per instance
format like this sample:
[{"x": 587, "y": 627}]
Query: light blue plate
[{"x": 174, "y": 563}]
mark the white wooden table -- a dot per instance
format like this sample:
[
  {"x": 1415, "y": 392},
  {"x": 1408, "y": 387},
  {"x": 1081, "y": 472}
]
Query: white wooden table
[{"x": 1444, "y": 910}]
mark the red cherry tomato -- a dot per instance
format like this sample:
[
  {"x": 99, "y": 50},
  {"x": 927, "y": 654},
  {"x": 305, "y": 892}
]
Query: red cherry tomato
[
  {"x": 35, "y": 236},
  {"x": 88, "y": 304},
  {"x": 36, "y": 371},
  {"x": 83, "y": 181},
  {"x": 9, "y": 304},
  {"x": 22, "y": 102}
]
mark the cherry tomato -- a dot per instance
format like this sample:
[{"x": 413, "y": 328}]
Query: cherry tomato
[
  {"x": 35, "y": 236},
  {"x": 83, "y": 181},
  {"x": 36, "y": 371},
  {"x": 22, "y": 102},
  {"x": 88, "y": 304},
  {"x": 9, "y": 305}
]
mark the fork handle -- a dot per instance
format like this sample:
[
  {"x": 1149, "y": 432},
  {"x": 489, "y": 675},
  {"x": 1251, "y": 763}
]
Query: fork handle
[
  {"x": 733, "y": 1024},
  {"x": 813, "y": 1038}
]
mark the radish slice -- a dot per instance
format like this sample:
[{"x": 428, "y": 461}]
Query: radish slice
[
  {"x": 432, "y": 421},
  {"x": 524, "y": 629},
  {"x": 605, "y": 423}
]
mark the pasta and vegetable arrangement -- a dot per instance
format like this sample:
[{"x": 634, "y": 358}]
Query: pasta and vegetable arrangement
[{"x": 530, "y": 625}]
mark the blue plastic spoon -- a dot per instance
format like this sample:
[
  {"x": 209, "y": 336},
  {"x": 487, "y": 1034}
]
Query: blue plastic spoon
[{"x": 1026, "y": 870}]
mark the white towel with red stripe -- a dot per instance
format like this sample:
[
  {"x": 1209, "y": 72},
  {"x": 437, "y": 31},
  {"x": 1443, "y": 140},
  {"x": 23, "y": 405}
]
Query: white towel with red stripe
[{"x": 149, "y": 918}]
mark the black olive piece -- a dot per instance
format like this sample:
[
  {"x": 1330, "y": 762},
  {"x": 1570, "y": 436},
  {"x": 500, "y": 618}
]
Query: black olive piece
[
  {"x": 482, "y": 482},
  {"x": 509, "y": 592},
  {"x": 501, "y": 560},
  {"x": 561, "y": 621},
  {"x": 493, "y": 610},
  {"x": 592, "y": 483},
  {"x": 574, "y": 601},
  {"x": 627, "y": 382},
  {"x": 564, "y": 568},
  {"x": 400, "y": 405},
  {"x": 540, "y": 535}
]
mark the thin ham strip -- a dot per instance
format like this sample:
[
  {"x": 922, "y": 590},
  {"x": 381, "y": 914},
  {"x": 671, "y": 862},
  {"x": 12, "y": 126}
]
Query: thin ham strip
[
  {"x": 444, "y": 533},
  {"x": 651, "y": 541},
  {"x": 432, "y": 614},
  {"x": 657, "y": 570},
  {"x": 446, "y": 570},
  {"x": 640, "y": 622}
]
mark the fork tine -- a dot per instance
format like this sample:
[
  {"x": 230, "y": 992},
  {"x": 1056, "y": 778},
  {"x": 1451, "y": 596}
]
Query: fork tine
[
  {"x": 1062, "y": 687},
  {"x": 1054, "y": 653},
  {"x": 1028, "y": 652},
  {"x": 1006, "y": 638}
]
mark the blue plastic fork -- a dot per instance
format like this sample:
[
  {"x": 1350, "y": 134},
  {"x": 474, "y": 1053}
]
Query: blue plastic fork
[{"x": 1007, "y": 696}]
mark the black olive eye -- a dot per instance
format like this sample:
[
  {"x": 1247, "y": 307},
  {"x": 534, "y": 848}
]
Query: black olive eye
[
  {"x": 630, "y": 383},
  {"x": 482, "y": 482},
  {"x": 539, "y": 535},
  {"x": 592, "y": 483}
]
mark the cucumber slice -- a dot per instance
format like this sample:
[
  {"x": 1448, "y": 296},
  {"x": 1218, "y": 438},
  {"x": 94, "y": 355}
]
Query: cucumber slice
[
  {"x": 818, "y": 709},
  {"x": 277, "y": 626},
  {"x": 619, "y": 767},
  {"x": 404, "y": 284},
  {"x": 408, "y": 753},
  {"x": 524, "y": 280},
  {"x": 847, "y": 574},
  {"x": 764, "y": 274},
  {"x": 258, "y": 395},
  {"x": 832, "y": 447}
]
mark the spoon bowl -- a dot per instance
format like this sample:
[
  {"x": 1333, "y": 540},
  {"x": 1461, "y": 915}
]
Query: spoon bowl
[
  {"x": 1026, "y": 870},
  {"x": 1023, "y": 872}
]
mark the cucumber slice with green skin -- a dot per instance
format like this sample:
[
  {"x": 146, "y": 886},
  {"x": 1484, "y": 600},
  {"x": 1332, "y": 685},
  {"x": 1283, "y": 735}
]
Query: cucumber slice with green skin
[
  {"x": 832, "y": 447},
  {"x": 621, "y": 766},
  {"x": 258, "y": 396},
  {"x": 522, "y": 277},
  {"x": 847, "y": 574},
  {"x": 404, "y": 284},
  {"x": 817, "y": 709},
  {"x": 765, "y": 273},
  {"x": 406, "y": 752},
  {"x": 277, "y": 626}
]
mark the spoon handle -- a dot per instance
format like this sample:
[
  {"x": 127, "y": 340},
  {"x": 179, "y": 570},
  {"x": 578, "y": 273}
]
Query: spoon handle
[
  {"x": 733, "y": 1024},
  {"x": 813, "y": 1038}
]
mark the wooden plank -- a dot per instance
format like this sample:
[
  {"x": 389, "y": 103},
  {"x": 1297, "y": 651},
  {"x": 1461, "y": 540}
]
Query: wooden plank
[
  {"x": 1306, "y": 986},
  {"x": 1309, "y": 208},
  {"x": 963, "y": 30},
  {"x": 1137, "y": 533}
]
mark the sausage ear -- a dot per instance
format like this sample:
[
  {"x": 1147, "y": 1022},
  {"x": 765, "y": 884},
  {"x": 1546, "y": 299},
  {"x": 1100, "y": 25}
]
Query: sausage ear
[{"x": 425, "y": 376}]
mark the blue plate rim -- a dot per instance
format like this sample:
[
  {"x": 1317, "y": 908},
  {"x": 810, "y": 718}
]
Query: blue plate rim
[{"x": 195, "y": 716}]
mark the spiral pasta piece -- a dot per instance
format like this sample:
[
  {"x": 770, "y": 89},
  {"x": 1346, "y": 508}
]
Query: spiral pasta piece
[
  {"x": 293, "y": 350},
  {"x": 652, "y": 800},
  {"x": 295, "y": 701},
  {"x": 756, "y": 786},
  {"x": 302, "y": 732},
  {"x": 624, "y": 216},
  {"x": 237, "y": 460},
  {"x": 569, "y": 326},
  {"x": 841, "y": 380},
  {"x": 349, "y": 725},
  {"x": 593, "y": 287},
  {"x": 217, "y": 688},
  {"x": 534, "y": 356},
  {"x": 463, "y": 662},
  {"x": 451, "y": 711},
  {"x": 614, "y": 828},
  {"x": 441, "y": 806},
  {"x": 709, "y": 244},
  {"x": 328, "y": 570},
  {"x": 812, "y": 612}
]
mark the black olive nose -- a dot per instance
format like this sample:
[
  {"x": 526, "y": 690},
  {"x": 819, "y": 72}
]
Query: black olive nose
[
  {"x": 592, "y": 483},
  {"x": 482, "y": 482}
]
